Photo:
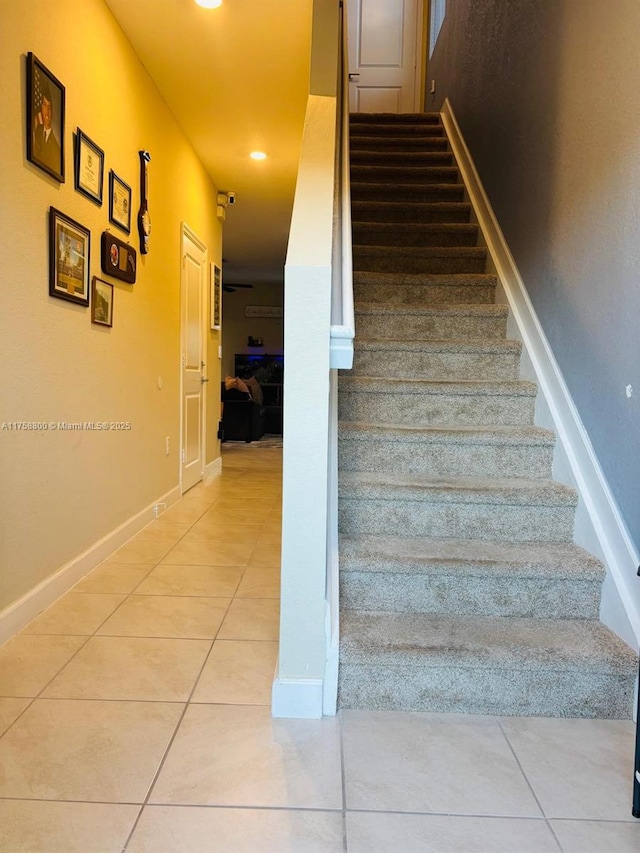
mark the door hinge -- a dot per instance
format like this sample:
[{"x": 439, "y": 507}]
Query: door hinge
[
  {"x": 183, "y": 454},
  {"x": 184, "y": 359}
]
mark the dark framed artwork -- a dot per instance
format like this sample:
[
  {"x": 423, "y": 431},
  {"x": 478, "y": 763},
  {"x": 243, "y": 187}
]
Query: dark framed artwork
[
  {"x": 88, "y": 168},
  {"x": 69, "y": 258},
  {"x": 119, "y": 202},
  {"x": 101, "y": 302},
  {"x": 216, "y": 293},
  {"x": 45, "y": 119}
]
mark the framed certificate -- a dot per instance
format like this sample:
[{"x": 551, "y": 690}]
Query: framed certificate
[
  {"x": 89, "y": 168},
  {"x": 69, "y": 264},
  {"x": 119, "y": 202}
]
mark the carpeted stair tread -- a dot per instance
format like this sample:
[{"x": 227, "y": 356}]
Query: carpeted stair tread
[
  {"x": 462, "y": 387},
  {"x": 398, "y": 174},
  {"x": 469, "y": 557},
  {"x": 475, "y": 435},
  {"x": 419, "y": 212},
  {"x": 410, "y": 639},
  {"x": 370, "y": 486}
]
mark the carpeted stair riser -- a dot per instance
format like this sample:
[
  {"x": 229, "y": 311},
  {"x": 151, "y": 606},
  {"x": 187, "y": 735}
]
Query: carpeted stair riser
[
  {"x": 399, "y": 130},
  {"x": 438, "y": 360},
  {"x": 364, "y": 119},
  {"x": 484, "y": 666},
  {"x": 416, "y": 323},
  {"x": 360, "y": 141},
  {"x": 391, "y": 157},
  {"x": 419, "y": 260},
  {"x": 462, "y": 595},
  {"x": 551, "y": 692},
  {"x": 428, "y": 289},
  {"x": 418, "y": 403},
  {"x": 414, "y": 234},
  {"x": 446, "y": 453},
  {"x": 418, "y": 175},
  {"x": 519, "y": 510},
  {"x": 457, "y": 520},
  {"x": 407, "y": 192},
  {"x": 469, "y": 578},
  {"x": 389, "y": 210}
]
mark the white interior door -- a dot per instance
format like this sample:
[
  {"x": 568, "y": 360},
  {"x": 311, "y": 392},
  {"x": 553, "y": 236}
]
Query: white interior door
[
  {"x": 192, "y": 419},
  {"x": 383, "y": 55}
]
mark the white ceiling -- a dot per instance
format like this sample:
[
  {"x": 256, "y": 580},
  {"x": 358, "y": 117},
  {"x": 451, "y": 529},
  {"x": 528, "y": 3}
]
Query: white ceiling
[{"x": 236, "y": 78}]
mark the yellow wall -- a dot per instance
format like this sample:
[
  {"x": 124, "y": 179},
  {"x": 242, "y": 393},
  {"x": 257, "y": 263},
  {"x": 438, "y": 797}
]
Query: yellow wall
[{"x": 60, "y": 492}]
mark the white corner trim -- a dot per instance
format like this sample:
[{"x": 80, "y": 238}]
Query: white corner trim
[
  {"x": 620, "y": 555},
  {"x": 297, "y": 698},
  {"x": 212, "y": 469},
  {"x": 18, "y": 614},
  {"x": 330, "y": 691}
]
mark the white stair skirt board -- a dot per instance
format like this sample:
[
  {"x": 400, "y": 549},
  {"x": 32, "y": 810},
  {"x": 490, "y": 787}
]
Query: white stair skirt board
[
  {"x": 18, "y": 614},
  {"x": 299, "y": 698},
  {"x": 599, "y": 526}
]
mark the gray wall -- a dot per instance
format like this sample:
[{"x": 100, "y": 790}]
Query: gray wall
[
  {"x": 547, "y": 94},
  {"x": 236, "y": 327}
]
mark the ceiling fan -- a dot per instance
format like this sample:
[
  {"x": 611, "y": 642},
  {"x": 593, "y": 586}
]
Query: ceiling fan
[{"x": 231, "y": 288}]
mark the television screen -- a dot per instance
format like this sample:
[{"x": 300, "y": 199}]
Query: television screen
[{"x": 265, "y": 368}]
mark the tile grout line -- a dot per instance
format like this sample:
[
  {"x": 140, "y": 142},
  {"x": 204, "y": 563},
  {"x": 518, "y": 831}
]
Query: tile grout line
[
  {"x": 345, "y": 840},
  {"x": 529, "y": 784}
]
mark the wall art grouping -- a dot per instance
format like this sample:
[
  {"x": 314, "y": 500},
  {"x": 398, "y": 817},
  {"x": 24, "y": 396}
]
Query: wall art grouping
[{"x": 69, "y": 241}]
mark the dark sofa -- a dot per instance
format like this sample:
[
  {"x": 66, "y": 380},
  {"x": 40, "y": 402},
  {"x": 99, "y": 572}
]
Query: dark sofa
[{"x": 242, "y": 417}]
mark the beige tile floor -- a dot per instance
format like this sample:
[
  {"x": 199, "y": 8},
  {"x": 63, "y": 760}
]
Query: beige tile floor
[{"x": 134, "y": 715}]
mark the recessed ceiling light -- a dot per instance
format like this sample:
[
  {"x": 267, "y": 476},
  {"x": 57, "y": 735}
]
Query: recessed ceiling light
[
  {"x": 258, "y": 155},
  {"x": 209, "y": 4}
]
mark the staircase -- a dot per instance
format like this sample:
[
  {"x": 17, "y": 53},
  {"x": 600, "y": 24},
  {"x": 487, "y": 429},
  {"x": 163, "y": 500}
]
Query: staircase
[{"x": 461, "y": 589}]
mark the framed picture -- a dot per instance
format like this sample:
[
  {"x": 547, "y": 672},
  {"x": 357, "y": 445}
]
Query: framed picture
[
  {"x": 69, "y": 258},
  {"x": 216, "y": 293},
  {"x": 119, "y": 202},
  {"x": 45, "y": 119},
  {"x": 101, "y": 302},
  {"x": 89, "y": 168}
]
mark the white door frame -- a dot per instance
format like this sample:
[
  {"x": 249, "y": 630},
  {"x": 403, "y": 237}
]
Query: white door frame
[
  {"x": 186, "y": 231},
  {"x": 420, "y": 46}
]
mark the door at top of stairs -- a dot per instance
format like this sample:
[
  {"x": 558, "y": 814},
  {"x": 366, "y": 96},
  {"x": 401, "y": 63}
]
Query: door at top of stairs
[{"x": 385, "y": 37}]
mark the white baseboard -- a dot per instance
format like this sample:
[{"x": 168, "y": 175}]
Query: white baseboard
[
  {"x": 212, "y": 469},
  {"x": 297, "y": 697},
  {"x": 599, "y": 523},
  {"x": 18, "y": 614}
]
